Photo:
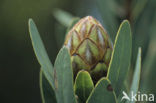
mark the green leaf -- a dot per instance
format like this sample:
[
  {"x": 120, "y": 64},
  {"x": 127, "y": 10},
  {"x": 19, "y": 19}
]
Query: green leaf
[
  {"x": 41, "y": 53},
  {"x": 136, "y": 76},
  {"x": 47, "y": 92},
  {"x": 63, "y": 17},
  {"x": 64, "y": 78},
  {"x": 121, "y": 56},
  {"x": 83, "y": 85},
  {"x": 102, "y": 93}
]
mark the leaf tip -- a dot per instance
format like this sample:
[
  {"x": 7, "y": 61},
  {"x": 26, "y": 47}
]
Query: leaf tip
[
  {"x": 139, "y": 49},
  {"x": 30, "y": 20},
  {"x": 31, "y": 24},
  {"x": 126, "y": 21}
]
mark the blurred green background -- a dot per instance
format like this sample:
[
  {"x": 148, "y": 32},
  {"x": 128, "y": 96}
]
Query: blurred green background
[{"x": 19, "y": 69}]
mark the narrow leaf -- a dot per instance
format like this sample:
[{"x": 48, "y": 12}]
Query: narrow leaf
[
  {"x": 47, "y": 92},
  {"x": 121, "y": 56},
  {"x": 83, "y": 85},
  {"x": 102, "y": 93},
  {"x": 63, "y": 17},
  {"x": 40, "y": 52},
  {"x": 64, "y": 78},
  {"x": 136, "y": 76}
]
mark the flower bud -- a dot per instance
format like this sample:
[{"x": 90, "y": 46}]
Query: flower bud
[{"x": 90, "y": 47}]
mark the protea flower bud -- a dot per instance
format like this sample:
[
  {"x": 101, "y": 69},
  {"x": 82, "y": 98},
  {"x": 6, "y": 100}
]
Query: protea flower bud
[{"x": 90, "y": 47}]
